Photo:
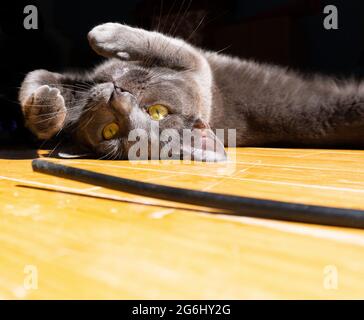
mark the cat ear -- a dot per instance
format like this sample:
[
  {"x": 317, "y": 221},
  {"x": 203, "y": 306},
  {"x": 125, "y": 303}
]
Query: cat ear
[{"x": 204, "y": 144}]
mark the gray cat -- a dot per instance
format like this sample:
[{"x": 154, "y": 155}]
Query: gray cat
[{"x": 151, "y": 77}]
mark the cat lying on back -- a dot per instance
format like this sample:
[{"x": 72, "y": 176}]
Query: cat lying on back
[{"x": 152, "y": 78}]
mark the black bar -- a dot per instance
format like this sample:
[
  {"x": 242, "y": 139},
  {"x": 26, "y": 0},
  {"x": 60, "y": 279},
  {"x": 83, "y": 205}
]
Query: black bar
[
  {"x": 242, "y": 206},
  {"x": 174, "y": 309}
]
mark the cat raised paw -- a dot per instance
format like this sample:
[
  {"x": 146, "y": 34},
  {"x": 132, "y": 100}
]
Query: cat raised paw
[
  {"x": 115, "y": 40},
  {"x": 45, "y": 112}
]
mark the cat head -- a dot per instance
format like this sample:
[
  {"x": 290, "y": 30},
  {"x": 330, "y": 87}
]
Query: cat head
[{"x": 129, "y": 108}]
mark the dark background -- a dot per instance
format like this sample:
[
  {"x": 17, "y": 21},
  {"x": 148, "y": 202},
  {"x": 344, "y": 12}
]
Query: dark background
[{"x": 286, "y": 32}]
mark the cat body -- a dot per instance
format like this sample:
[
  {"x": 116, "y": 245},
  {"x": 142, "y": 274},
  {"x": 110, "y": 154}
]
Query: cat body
[{"x": 266, "y": 104}]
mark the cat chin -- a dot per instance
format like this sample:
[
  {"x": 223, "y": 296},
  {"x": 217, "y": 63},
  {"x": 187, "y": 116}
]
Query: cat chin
[
  {"x": 203, "y": 154},
  {"x": 208, "y": 156},
  {"x": 211, "y": 148}
]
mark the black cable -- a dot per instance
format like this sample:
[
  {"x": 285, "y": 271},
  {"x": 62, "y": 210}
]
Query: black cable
[{"x": 241, "y": 206}]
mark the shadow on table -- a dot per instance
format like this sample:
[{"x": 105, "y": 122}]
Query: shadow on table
[
  {"x": 48, "y": 151},
  {"x": 19, "y": 154},
  {"x": 106, "y": 197}
]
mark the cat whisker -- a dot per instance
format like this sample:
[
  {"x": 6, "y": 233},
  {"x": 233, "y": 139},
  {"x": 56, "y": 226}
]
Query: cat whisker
[
  {"x": 160, "y": 15},
  {"x": 183, "y": 16},
  {"x": 88, "y": 122},
  {"x": 45, "y": 120},
  {"x": 50, "y": 154},
  {"x": 106, "y": 155},
  {"x": 66, "y": 86}
]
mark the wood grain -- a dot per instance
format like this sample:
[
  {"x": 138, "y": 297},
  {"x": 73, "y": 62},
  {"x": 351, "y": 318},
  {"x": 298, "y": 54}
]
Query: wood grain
[{"x": 83, "y": 241}]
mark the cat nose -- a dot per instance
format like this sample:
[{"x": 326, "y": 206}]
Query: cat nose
[{"x": 122, "y": 101}]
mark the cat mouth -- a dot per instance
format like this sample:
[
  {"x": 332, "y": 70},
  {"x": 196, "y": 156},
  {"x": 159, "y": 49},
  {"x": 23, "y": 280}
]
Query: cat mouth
[{"x": 119, "y": 90}]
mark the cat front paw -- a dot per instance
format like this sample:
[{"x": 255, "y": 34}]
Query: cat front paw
[
  {"x": 114, "y": 39},
  {"x": 45, "y": 112}
]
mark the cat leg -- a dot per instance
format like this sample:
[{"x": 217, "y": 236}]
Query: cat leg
[
  {"x": 117, "y": 40},
  {"x": 42, "y": 103}
]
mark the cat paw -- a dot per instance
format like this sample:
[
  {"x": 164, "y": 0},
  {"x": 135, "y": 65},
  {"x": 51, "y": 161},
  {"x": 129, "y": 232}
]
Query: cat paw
[
  {"x": 114, "y": 39},
  {"x": 45, "y": 112}
]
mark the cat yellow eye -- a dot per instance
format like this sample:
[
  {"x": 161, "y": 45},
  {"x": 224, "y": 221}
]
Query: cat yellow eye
[
  {"x": 158, "y": 112},
  {"x": 110, "y": 131}
]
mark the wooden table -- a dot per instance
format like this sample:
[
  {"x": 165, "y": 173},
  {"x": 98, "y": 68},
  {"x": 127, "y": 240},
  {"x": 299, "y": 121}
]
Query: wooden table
[{"x": 64, "y": 239}]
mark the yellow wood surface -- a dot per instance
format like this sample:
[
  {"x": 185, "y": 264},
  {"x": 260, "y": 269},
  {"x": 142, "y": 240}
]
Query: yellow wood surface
[{"x": 64, "y": 239}]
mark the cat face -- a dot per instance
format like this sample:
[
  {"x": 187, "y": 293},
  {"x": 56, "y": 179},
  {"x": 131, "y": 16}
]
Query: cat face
[{"x": 128, "y": 97}]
